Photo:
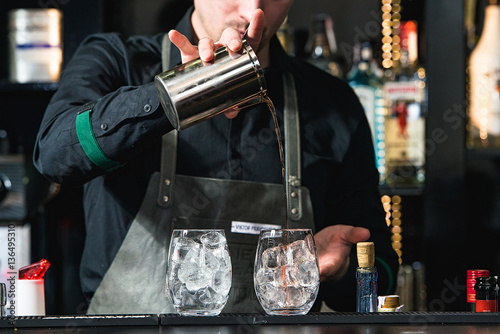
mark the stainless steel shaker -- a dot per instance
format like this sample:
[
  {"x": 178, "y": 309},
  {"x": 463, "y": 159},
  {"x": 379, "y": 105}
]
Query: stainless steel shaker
[{"x": 195, "y": 91}]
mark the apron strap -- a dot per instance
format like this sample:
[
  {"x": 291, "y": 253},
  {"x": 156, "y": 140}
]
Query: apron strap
[
  {"x": 169, "y": 144},
  {"x": 292, "y": 147}
]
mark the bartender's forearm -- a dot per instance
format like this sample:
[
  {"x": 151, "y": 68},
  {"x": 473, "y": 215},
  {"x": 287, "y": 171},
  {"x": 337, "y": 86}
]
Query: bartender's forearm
[{"x": 124, "y": 120}]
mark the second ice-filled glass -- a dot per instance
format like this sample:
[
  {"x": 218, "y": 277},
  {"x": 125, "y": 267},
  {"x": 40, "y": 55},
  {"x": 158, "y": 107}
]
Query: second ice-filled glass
[{"x": 286, "y": 272}]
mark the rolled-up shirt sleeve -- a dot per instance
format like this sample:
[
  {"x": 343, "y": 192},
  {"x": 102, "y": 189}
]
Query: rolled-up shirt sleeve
[{"x": 115, "y": 84}]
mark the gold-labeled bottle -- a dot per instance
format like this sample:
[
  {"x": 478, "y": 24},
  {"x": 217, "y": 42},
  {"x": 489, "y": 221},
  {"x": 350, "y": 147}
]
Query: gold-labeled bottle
[{"x": 484, "y": 94}]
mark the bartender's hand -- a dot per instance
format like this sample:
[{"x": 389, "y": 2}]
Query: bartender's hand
[
  {"x": 231, "y": 38},
  {"x": 333, "y": 244}
]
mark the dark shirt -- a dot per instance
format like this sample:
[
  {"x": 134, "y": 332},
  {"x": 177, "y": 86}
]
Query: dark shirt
[{"x": 337, "y": 154}]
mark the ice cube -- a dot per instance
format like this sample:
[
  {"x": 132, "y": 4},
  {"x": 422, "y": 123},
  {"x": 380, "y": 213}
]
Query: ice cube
[
  {"x": 297, "y": 251},
  {"x": 188, "y": 299},
  {"x": 181, "y": 247},
  {"x": 212, "y": 263},
  {"x": 177, "y": 291},
  {"x": 309, "y": 240},
  {"x": 194, "y": 255},
  {"x": 208, "y": 296},
  {"x": 196, "y": 281},
  {"x": 295, "y": 296},
  {"x": 222, "y": 282},
  {"x": 308, "y": 273},
  {"x": 213, "y": 239},
  {"x": 193, "y": 275},
  {"x": 289, "y": 275},
  {"x": 267, "y": 275},
  {"x": 271, "y": 297},
  {"x": 272, "y": 257},
  {"x": 311, "y": 292},
  {"x": 222, "y": 255}
]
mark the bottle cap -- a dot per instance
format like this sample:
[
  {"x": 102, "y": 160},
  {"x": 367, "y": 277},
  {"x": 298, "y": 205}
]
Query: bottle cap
[
  {"x": 472, "y": 275},
  {"x": 366, "y": 254},
  {"x": 391, "y": 301},
  {"x": 494, "y": 2}
]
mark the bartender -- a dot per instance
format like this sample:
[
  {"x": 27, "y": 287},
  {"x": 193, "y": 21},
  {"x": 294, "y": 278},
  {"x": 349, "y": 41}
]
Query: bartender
[{"x": 105, "y": 129}]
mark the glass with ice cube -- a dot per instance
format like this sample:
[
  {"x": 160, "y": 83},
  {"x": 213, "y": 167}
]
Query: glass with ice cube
[
  {"x": 286, "y": 272},
  {"x": 199, "y": 271}
]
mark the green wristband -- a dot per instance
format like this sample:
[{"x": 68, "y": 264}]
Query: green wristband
[{"x": 89, "y": 143}]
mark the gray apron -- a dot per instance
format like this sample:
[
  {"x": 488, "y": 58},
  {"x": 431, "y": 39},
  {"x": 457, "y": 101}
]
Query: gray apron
[{"x": 135, "y": 281}]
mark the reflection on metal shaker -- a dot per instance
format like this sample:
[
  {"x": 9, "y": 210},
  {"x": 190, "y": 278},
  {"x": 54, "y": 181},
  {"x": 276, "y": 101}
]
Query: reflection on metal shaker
[{"x": 195, "y": 91}]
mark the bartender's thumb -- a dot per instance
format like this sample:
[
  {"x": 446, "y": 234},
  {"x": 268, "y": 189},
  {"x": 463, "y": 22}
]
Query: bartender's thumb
[
  {"x": 256, "y": 28},
  {"x": 357, "y": 234}
]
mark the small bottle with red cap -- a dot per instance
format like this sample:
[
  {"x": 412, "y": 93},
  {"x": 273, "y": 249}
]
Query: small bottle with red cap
[{"x": 471, "y": 281}]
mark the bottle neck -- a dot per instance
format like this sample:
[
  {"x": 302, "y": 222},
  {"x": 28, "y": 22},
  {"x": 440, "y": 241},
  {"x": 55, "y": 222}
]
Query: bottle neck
[
  {"x": 491, "y": 29},
  {"x": 320, "y": 45},
  {"x": 365, "y": 60}
]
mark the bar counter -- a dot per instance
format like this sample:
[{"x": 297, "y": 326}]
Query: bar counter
[{"x": 317, "y": 323}]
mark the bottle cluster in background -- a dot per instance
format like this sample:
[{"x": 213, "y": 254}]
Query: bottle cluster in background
[{"x": 394, "y": 98}]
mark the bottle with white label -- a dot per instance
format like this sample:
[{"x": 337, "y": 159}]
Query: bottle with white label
[
  {"x": 406, "y": 99},
  {"x": 484, "y": 71},
  {"x": 369, "y": 89}
]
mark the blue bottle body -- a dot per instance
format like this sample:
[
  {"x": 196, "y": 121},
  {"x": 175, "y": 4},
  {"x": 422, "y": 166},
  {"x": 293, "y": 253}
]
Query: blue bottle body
[{"x": 366, "y": 289}]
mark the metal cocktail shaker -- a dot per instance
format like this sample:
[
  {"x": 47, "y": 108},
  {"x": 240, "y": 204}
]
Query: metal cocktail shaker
[{"x": 195, "y": 91}]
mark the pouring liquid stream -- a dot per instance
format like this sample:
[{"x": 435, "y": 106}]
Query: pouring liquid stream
[{"x": 277, "y": 130}]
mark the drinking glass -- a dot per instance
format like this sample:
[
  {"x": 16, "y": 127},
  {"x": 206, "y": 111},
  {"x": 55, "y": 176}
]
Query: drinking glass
[
  {"x": 199, "y": 271},
  {"x": 286, "y": 272}
]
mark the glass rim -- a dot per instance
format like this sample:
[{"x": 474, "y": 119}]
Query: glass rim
[{"x": 288, "y": 229}]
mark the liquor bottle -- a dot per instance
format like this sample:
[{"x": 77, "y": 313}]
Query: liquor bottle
[
  {"x": 486, "y": 294},
  {"x": 484, "y": 71},
  {"x": 406, "y": 98},
  {"x": 321, "y": 46},
  {"x": 369, "y": 89},
  {"x": 366, "y": 278}
]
